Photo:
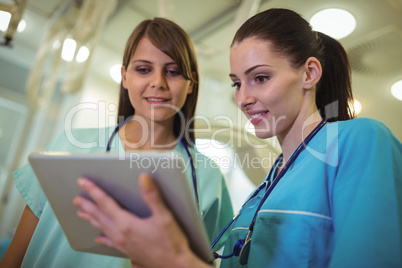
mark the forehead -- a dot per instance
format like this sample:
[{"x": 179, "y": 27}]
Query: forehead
[
  {"x": 146, "y": 50},
  {"x": 253, "y": 51},
  {"x": 250, "y": 48}
]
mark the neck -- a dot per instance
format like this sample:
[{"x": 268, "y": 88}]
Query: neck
[
  {"x": 137, "y": 135},
  {"x": 295, "y": 135}
]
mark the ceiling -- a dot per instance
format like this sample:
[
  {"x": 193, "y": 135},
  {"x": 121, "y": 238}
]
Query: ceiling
[{"x": 374, "y": 48}]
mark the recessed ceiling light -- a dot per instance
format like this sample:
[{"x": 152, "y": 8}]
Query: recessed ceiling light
[
  {"x": 115, "y": 73},
  {"x": 335, "y": 22},
  {"x": 5, "y": 18},
  {"x": 358, "y": 106},
  {"x": 83, "y": 54},
  {"x": 396, "y": 90},
  {"x": 68, "y": 51},
  {"x": 56, "y": 44},
  {"x": 21, "y": 26}
]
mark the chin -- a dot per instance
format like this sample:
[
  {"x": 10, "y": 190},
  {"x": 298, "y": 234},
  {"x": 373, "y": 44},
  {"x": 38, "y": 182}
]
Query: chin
[{"x": 263, "y": 134}]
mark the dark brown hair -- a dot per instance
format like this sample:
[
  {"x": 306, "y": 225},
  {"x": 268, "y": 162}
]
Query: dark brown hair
[
  {"x": 292, "y": 36},
  {"x": 172, "y": 40}
]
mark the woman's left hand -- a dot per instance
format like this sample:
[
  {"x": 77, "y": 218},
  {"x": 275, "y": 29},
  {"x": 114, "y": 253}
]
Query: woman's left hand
[{"x": 156, "y": 241}]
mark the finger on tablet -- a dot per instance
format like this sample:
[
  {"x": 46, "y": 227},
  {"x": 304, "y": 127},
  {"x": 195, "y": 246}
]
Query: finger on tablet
[
  {"x": 102, "y": 199},
  {"x": 151, "y": 194}
]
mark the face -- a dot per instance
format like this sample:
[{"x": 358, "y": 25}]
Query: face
[
  {"x": 156, "y": 87},
  {"x": 268, "y": 90}
]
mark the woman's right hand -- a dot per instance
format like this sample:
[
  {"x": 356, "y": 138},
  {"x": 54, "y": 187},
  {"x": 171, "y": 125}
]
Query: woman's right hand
[{"x": 156, "y": 241}]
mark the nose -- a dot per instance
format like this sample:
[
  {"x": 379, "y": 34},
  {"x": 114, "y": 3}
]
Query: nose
[
  {"x": 158, "y": 80},
  {"x": 243, "y": 97}
]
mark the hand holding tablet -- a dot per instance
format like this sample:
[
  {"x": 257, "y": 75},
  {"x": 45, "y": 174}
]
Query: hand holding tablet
[
  {"x": 140, "y": 239},
  {"x": 118, "y": 177}
]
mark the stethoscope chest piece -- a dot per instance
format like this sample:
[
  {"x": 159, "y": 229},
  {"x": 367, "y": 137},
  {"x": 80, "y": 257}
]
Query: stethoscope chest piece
[{"x": 245, "y": 250}]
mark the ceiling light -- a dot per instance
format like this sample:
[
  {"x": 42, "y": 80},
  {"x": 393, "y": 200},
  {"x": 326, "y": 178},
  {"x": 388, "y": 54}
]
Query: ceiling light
[
  {"x": 396, "y": 90},
  {"x": 5, "y": 18},
  {"x": 68, "y": 50},
  {"x": 358, "y": 106},
  {"x": 56, "y": 44},
  {"x": 115, "y": 73},
  {"x": 21, "y": 26},
  {"x": 337, "y": 23},
  {"x": 83, "y": 54}
]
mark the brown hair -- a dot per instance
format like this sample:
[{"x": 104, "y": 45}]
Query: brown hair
[
  {"x": 292, "y": 36},
  {"x": 172, "y": 40}
]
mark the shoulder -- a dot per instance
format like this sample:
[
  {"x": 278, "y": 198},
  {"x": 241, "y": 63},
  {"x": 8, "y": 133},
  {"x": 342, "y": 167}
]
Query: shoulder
[
  {"x": 77, "y": 139},
  {"x": 85, "y": 134},
  {"x": 363, "y": 130},
  {"x": 365, "y": 136},
  {"x": 364, "y": 123}
]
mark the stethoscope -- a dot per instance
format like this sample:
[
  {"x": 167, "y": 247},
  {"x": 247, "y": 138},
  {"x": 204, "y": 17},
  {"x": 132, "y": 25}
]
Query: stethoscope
[
  {"x": 242, "y": 247},
  {"x": 193, "y": 174}
]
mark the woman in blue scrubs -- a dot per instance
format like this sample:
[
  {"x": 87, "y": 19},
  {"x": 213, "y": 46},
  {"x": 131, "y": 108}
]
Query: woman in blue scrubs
[
  {"x": 334, "y": 196},
  {"x": 157, "y": 104}
]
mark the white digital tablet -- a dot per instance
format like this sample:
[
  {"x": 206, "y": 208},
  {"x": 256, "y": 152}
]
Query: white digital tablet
[{"x": 117, "y": 174}]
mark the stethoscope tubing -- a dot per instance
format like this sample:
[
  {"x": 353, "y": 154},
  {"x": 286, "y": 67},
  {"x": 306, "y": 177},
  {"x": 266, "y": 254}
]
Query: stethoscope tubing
[{"x": 270, "y": 186}]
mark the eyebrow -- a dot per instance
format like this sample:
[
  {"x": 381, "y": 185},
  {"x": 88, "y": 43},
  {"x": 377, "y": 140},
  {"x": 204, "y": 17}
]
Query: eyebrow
[
  {"x": 149, "y": 62},
  {"x": 249, "y": 70},
  {"x": 144, "y": 61}
]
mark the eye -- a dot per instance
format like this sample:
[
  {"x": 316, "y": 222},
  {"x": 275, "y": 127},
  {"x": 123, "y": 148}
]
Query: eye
[
  {"x": 143, "y": 70},
  {"x": 173, "y": 72},
  {"x": 236, "y": 85},
  {"x": 261, "y": 78}
]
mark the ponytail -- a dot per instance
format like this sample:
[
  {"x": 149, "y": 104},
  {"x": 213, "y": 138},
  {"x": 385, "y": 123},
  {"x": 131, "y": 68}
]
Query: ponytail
[{"x": 334, "y": 97}]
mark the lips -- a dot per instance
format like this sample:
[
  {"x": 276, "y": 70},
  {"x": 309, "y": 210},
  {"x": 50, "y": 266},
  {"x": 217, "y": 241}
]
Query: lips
[
  {"x": 256, "y": 116},
  {"x": 156, "y": 100}
]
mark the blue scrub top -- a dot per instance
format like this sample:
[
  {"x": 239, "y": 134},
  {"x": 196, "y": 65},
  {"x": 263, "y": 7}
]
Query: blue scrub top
[
  {"x": 49, "y": 247},
  {"x": 338, "y": 205}
]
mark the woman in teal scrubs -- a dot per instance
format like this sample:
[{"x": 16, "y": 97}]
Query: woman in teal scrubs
[
  {"x": 160, "y": 88},
  {"x": 333, "y": 198}
]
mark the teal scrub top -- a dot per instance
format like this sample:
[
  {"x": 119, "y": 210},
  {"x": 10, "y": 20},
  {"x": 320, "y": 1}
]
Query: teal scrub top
[
  {"x": 49, "y": 247},
  {"x": 338, "y": 205}
]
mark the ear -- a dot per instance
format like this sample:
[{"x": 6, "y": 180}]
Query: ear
[
  {"x": 123, "y": 76},
  {"x": 313, "y": 72},
  {"x": 191, "y": 86}
]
